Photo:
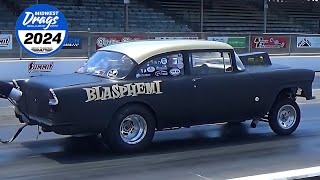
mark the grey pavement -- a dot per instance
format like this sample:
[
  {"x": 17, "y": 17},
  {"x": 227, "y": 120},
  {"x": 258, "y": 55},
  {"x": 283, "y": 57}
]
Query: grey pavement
[
  {"x": 309, "y": 62},
  {"x": 202, "y": 152}
]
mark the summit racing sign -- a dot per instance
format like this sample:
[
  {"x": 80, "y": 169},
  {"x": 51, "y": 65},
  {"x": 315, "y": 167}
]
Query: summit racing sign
[
  {"x": 41, "y": 30},
  {"x": 40, "y": 67},
  {"x": 5, "y": 41}
]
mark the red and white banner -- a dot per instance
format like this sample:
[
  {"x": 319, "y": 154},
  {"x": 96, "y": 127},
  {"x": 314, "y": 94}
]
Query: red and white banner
[
  {"x": 269, "y": 42},
  {"x": 109, "y": 40}
]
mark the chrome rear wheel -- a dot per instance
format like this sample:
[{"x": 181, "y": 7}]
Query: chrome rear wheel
[{"x": 133, "y": 129}]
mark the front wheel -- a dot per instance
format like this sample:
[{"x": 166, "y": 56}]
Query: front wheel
[
  {"x": 284, "y": 116},
  {"x": 131, "y": 129}
]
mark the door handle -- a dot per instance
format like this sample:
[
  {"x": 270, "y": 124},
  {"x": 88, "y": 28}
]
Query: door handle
[{"x": 196, "y": 79}]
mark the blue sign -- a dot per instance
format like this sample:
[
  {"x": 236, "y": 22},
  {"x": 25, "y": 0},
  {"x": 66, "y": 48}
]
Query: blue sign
[
  {"x": 72, "y": 43},
  {"x": 41, "y": 30}
]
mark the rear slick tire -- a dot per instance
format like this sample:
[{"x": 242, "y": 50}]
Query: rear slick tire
[{"x": 131, "y": 130}]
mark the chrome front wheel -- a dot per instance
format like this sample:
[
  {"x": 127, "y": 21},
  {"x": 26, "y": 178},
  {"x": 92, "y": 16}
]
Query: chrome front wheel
[
  {"x": 284, "y": 116},
  {"x": 287, "y": 116}
]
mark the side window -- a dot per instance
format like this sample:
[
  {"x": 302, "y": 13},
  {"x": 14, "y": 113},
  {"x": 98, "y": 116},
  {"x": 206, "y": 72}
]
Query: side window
[
  {"x": 163, "y": 65},
  {"x": 211, "y": 62}
]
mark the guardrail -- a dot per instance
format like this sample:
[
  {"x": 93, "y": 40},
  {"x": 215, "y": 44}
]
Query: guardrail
[{"x": 84, "y": 43}]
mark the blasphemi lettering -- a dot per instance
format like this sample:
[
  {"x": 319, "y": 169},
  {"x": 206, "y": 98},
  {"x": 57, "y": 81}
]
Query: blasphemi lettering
[{"x": 118, "y": 91}]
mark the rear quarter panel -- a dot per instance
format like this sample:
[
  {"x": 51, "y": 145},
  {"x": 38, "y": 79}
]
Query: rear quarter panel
[
  {"x": 76, "y": 105},
  {"x": 268, "y": 85}
]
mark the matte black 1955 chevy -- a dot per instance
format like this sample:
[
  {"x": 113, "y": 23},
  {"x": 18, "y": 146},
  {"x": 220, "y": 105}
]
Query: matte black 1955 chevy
[{"x": 129, "y": 90}]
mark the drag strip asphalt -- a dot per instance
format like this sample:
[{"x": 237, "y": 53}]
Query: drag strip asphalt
[{"x": 212, "y": 151}]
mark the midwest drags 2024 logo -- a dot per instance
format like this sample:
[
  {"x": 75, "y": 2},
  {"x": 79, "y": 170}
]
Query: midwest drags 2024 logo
[{"x": 41, "y": 30}]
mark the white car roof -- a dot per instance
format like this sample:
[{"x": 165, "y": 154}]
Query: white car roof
[{"x": 144, "y": 49}]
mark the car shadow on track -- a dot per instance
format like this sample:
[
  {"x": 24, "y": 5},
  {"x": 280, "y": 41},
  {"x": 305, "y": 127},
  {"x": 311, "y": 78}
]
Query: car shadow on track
[{"x": 76, "y": 150}]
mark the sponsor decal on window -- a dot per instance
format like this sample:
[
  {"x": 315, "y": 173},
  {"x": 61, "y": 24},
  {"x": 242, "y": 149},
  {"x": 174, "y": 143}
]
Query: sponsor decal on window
[
  {"x": 175, "y": 72},
  {"x": 40, "y": 67},
  {"x": 151, "y": 69},
  {"x": 161, "y": 73},
  {"x": 112, "y": 73},
  {"x": 139, "y": 75},
  {"x": 5, "y": 41},
  {"x": 119, "y": 91}
]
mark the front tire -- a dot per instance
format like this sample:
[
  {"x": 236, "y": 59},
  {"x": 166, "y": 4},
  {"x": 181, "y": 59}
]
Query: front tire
[
  {"x": 132, "y": 129},
  {"x": 284, "y": 116}
]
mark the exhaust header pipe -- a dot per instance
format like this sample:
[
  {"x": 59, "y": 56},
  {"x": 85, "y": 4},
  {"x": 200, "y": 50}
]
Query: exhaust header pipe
[{"x": 8, "y": 91}]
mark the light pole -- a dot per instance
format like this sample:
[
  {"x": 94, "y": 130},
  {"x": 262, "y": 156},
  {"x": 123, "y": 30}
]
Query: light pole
[
  {"x": 265, "y": 10},
  {"x": 126, "y": 15},
  {"x": 201, "y": 15}
]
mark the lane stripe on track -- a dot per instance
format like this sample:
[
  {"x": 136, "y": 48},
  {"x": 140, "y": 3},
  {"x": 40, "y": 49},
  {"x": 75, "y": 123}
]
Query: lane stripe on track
[
  {"x": 7, "y": 107},
  {"x": 285, "y": 175}
]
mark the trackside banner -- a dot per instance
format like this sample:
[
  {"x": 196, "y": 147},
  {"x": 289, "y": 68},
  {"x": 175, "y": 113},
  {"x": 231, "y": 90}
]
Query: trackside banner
[
  {"x": 170, "y": 38},
  {"x": 5, "y": 41},
  {"x": 264, "y": 42},
  {"x": 72, "y": 43},
  {"x": 236, "y": 42},
  {"x": 308, "y": 42},
  {"x": 104, "y": 41}
]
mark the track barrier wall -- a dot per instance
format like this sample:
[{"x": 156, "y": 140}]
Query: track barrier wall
[
  {"x": 84, "y": 44},
  {"x": 17, "y": 64}
]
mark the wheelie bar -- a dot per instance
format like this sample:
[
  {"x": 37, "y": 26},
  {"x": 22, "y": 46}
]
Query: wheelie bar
[
  {"x": 15, "y": 135},
  {"x": 13, "y": 94}
]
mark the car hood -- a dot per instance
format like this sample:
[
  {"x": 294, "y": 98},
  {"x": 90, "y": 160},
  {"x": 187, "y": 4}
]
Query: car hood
[{"x": 66, "y": 80}]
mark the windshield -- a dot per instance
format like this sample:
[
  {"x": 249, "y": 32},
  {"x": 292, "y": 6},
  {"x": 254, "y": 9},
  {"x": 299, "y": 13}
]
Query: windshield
[{"x": 108, "y": 64}]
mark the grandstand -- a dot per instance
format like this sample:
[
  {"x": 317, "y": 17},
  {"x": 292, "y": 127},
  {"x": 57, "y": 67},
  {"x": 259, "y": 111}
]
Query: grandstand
[
  {"x": 232, "y": 16},
  {"x": 229, "y": 16},
  {"x": 7, "y": 16},
  {"x": 302, "y": 12}
]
